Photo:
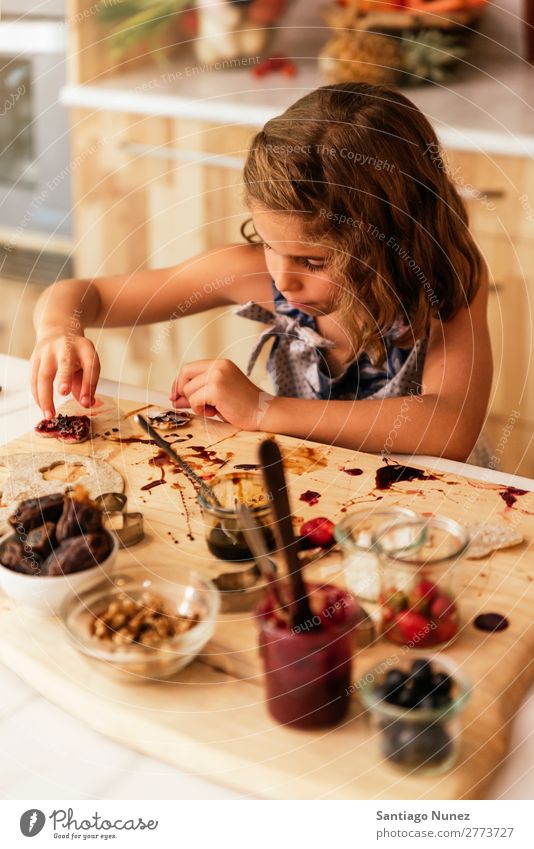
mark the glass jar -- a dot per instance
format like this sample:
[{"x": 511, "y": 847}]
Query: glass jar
[
  {"x": 360, "y": 557},
  {"x": 224, "y": 537},
  {"x": 418, "y": 738},
  {"x": 228, "y": 34},
  {"x": 419, "y": 607},
  {"x": 308, "y": 668}
]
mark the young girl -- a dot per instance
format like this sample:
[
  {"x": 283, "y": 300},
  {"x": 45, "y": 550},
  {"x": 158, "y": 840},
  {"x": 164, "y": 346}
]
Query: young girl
[{"x": 359, "y": 262}]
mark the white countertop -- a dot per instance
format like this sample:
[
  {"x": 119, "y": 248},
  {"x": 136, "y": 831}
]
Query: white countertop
[
  {"x": 47, "y": 754},
  {"x": 488, "y": 106}
]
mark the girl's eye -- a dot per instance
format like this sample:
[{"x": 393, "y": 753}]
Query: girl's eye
[{"x": 313, "y": 265}]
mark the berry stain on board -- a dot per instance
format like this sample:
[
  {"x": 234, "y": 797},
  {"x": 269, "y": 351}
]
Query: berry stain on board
[
  {"x": 386, "y": 476},
  {"x": 510, "y": 495},
  {"x": 310, "y": 497},
  {"x": 352, "y": 472}
]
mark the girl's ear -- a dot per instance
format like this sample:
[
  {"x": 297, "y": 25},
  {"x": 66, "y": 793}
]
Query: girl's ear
[{"x": 248, "y": 231}]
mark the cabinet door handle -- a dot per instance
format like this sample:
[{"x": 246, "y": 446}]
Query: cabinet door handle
[
  {"x": 470, "y": 193},
  {"x": 217, "y": 160}
]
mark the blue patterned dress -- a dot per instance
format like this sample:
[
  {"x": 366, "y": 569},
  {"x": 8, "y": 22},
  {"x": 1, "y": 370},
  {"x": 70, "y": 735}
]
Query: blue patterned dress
[{"x": 298, "y": 368}]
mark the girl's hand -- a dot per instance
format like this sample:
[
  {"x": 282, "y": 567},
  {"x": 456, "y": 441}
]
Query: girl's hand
[
  {"x": 74, "y": 360},
  {"x": 212, "y": 387}
]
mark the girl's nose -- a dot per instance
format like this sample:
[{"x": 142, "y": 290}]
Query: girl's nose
[{"x": 287, "y": 280}]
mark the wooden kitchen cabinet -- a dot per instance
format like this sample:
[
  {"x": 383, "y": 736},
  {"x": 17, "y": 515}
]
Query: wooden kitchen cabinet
[
  {"x": 154, "y": 192},
  {"x": 499, "y": 192}
]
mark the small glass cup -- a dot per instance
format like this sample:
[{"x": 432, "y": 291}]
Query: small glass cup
[
  {"x": 354, "y": 533},
  {"x": 308, "y": 668},
  {"x": 414, "y": 739},
  {"x": 418, "y": 603},
  {"x": 224, "y": 537}
]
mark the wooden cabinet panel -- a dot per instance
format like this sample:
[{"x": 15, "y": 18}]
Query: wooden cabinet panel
[
  {"x": 510, "y": 317},
  {"x": 499, "y": 192},
  {"x": 16, "y": 326},
  {"x": 151, "y": 195}
]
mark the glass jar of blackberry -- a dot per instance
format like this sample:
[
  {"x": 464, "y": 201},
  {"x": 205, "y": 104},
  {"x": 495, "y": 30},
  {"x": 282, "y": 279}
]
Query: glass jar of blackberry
[
  {"x": 415, "y": 705},
  {"x": 419, "y": 607},
  {"x": 223, "y": 533}
]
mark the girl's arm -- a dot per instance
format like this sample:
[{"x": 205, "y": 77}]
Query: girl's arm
[
  {"x": 444, "y": 421},
  {"x": 231, "y": 274}
]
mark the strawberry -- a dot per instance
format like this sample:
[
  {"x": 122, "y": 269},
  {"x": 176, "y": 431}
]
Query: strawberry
[
  {"x": 412, "y": 626},
  {"x": 317, "y": 533},
  {"x": 446, "y": 629},
  {"x": 421, "y": 596},
  {"x": 442, "y": 607}
]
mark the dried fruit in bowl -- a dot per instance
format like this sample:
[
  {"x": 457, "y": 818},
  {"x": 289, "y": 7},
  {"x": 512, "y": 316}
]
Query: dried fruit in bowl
[
  {"x": 33, "y": 512},
  {"x": 77, "y": 554}
]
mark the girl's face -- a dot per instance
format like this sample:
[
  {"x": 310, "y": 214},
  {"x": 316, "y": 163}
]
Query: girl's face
[{"x": 298, "y": 267}]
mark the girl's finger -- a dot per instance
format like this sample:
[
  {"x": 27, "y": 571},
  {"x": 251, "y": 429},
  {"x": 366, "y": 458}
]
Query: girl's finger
[
  {"x": 197, "y": 402},
  {"x": 36, "y": 362},
  {"x": 190, "y": 371},
  {"x": 180, "y": 401},
  {"x": 45, "y": 385},
  {"x": 91, "y": 372},
  {"x": 65, "y": 369}
]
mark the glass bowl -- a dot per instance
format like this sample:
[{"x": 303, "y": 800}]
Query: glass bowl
[
  {"x": 421, "y": 740},
  {"x": 184, "y": 592}
]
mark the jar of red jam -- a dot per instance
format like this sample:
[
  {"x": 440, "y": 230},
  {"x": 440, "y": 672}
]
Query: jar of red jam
[
  {"x": 308, "y": 668},
  {"x": 419, "y": 606}
]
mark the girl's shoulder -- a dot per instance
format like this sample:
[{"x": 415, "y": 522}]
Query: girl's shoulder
[{"x": 247, "y": 278}]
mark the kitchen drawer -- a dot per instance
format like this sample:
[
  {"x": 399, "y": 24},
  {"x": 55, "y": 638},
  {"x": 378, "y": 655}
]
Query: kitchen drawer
[
  {"x": 508, "y": 260},
  {"x": 511, "y": 324},
  {"x": 498, "y": 191},
  {"x": 512, "y": 445}
]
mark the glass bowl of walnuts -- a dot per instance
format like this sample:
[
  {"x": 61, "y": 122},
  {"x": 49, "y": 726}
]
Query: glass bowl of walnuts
[{"x": 138, "y": 626}]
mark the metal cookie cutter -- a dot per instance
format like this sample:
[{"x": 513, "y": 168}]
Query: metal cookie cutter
[{"x": 128, "y": 527}]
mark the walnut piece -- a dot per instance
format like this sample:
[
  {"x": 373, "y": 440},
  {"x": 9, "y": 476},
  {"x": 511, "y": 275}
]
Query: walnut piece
[{"x": 147, "y": 621}]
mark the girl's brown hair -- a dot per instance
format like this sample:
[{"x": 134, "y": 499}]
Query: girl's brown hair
[{"x": 363, "y": 166}]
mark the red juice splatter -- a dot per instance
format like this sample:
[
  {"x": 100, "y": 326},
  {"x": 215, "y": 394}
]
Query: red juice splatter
[
  {"x": 247, "y": 467},
  {"x": 386, "y": 476},
  {"x": 509, "y": 495},
  {"x": 353, "y": 472},
  {"x": 310, "y": 497}
]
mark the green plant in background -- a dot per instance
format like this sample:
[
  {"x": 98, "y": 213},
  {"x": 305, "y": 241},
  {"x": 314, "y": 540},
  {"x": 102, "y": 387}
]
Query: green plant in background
[
  {"x": 132, "y": 21},
  {"x": 429, "y": 55}
]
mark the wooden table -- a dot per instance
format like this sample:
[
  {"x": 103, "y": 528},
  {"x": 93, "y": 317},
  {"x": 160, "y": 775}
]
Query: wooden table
[{"x": 223, "y": 732}]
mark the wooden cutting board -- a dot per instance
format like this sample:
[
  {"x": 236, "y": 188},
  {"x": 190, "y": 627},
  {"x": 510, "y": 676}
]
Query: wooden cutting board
[{"x": 210, "y": 719}]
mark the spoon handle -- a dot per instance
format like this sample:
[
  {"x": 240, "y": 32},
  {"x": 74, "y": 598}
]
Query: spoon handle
[{"x": 273, "y": 473}]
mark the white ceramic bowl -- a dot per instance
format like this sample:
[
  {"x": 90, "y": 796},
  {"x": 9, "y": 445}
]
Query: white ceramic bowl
[{"x": 44, "y": 594}]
